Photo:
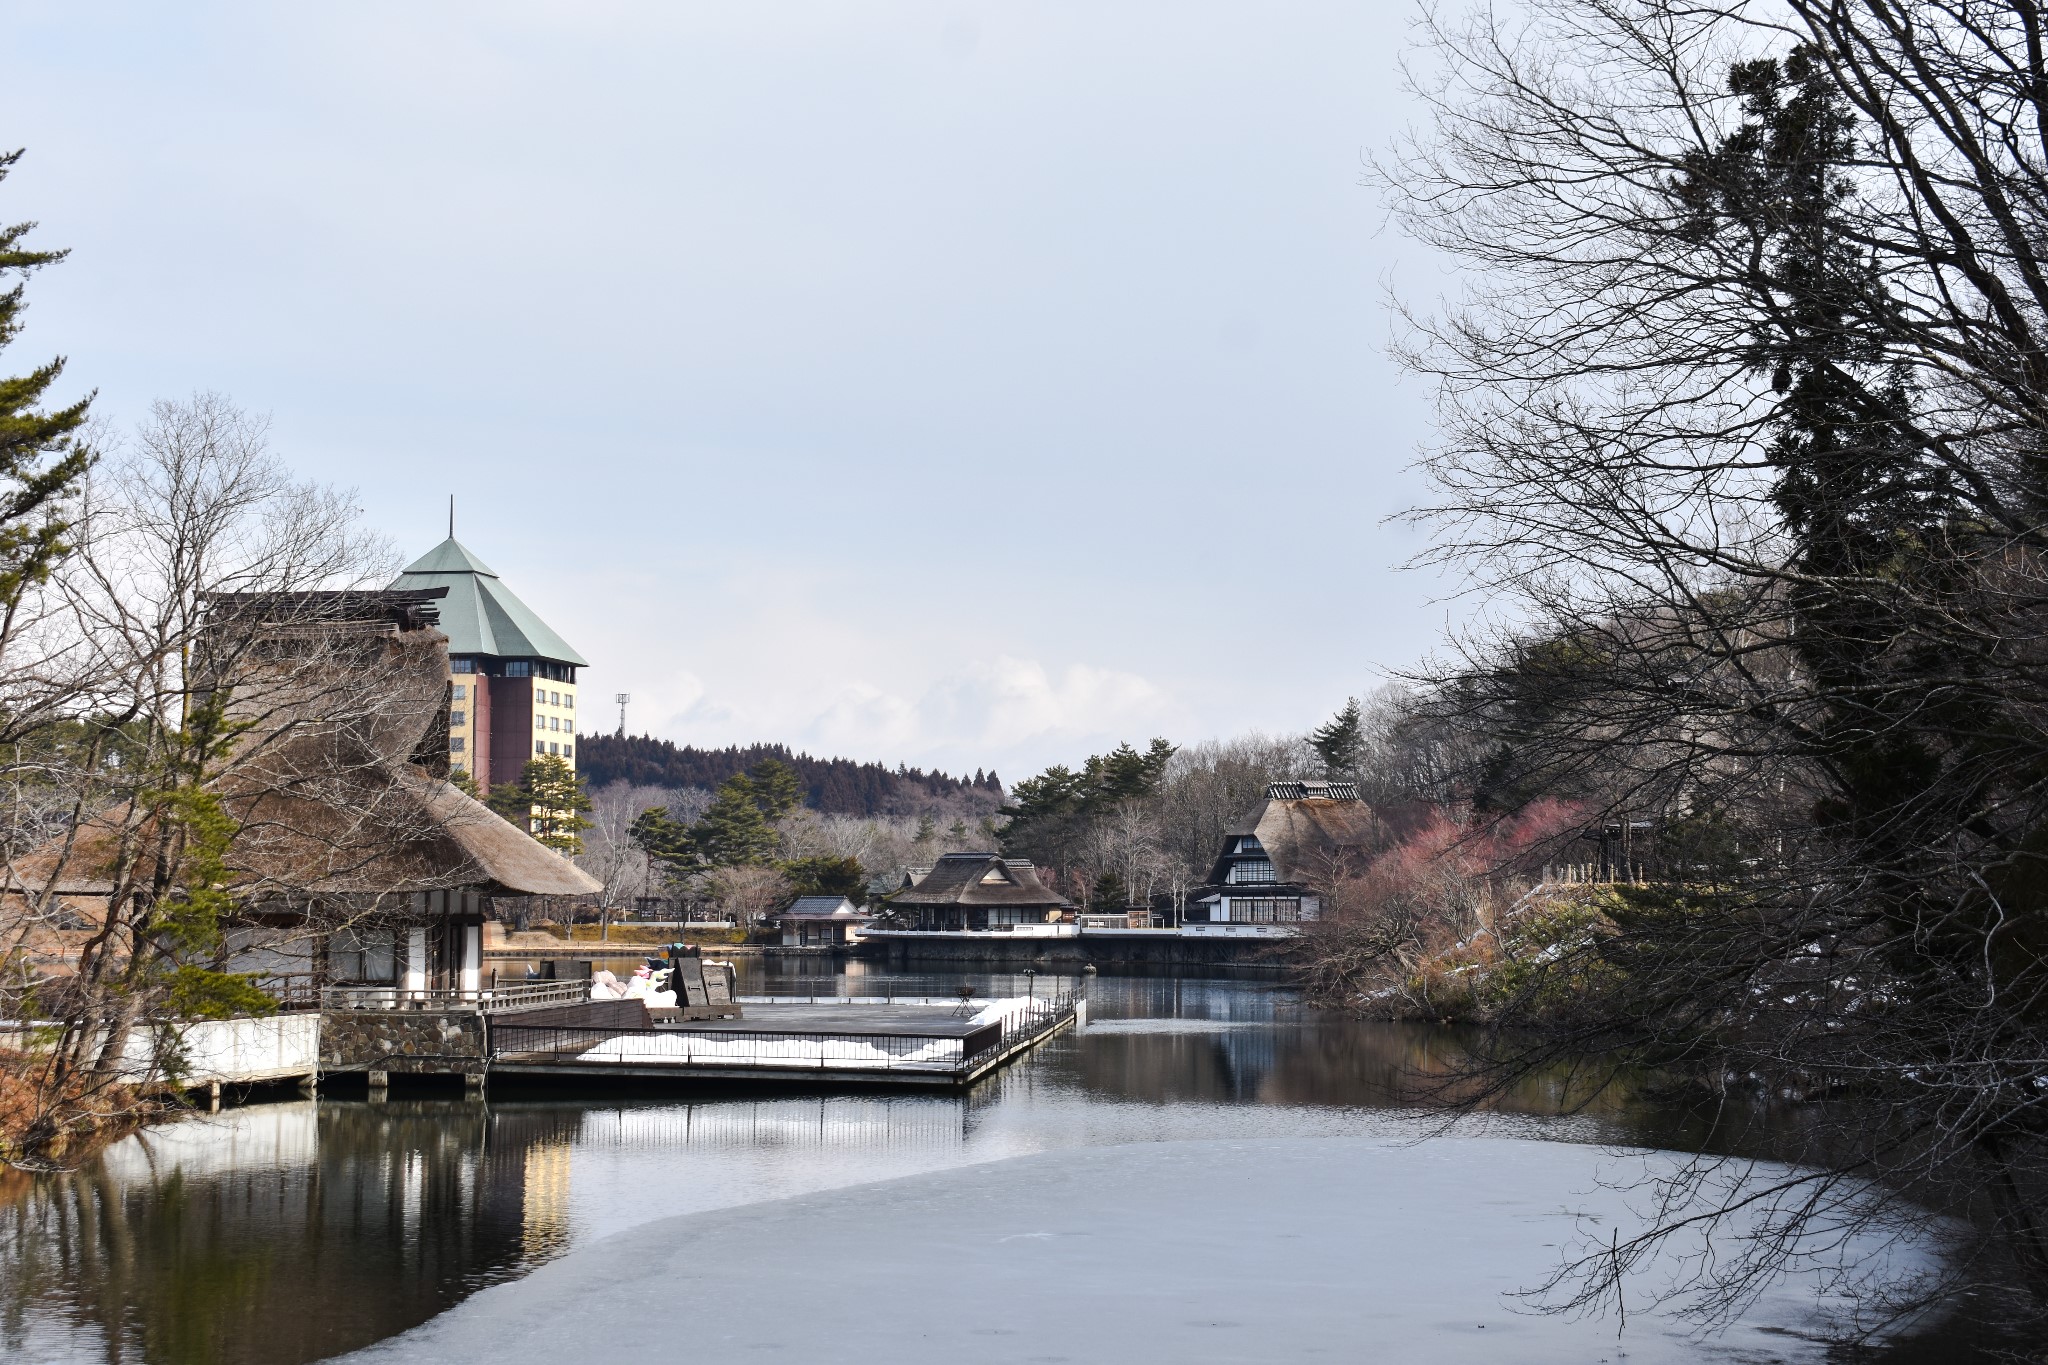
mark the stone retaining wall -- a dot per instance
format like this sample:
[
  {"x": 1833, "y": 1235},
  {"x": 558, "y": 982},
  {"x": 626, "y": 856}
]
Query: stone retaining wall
[{"x": 403, "y": 1040}]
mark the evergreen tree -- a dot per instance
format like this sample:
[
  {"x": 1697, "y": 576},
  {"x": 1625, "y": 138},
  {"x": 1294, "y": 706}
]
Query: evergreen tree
[
  {"x": 664, "y": 839},
  {"x": 1109, "y": 893},
  {"x": 775, "y": 788},
  {"x": 548, "y": 802},
  {"x": 1124, "y": 774},
  {"x": 734, "y": 830},
  {"x": 41, "y": 458},
  {"x": 1048, "y": 814},
  {"x": 828, "y": 876},
  {"x": 1341, "y": 743}
]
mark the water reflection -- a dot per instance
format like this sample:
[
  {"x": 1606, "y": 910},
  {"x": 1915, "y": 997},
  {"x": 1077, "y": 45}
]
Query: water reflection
[{"x": 283, "y": 1233}]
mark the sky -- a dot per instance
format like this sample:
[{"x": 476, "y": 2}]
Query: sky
[{"x": 960, "y": 385}]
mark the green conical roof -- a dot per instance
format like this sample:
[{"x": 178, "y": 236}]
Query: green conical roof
[{"x": 480, "y": 615}]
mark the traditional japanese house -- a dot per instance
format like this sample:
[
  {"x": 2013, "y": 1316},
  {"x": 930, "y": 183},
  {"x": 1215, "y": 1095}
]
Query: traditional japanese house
[
  {"x": 976, "y": 892},
  {"x": 1274, "y": 861},
  {"x": 821, "y": 922},
  {"x": 353, "y": 860}
]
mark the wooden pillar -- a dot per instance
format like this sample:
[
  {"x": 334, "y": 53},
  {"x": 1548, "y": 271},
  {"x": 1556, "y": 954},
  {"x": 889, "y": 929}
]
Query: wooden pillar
[
  {"x": 472, "y": 959},
  {"x": 416, "y": 958}
]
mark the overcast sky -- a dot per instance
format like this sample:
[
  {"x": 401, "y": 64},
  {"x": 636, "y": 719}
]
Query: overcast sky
[{"x": 959, "y": 385}]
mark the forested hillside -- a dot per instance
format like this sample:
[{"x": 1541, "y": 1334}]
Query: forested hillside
[{"x": 837, "y": 786}]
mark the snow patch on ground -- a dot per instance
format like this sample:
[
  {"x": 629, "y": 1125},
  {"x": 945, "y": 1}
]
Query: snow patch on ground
[{"x": 1344, "y": 1249}]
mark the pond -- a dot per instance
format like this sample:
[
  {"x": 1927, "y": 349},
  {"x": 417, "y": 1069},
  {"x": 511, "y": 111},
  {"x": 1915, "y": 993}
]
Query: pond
[{"x": 277, "y": 1233}]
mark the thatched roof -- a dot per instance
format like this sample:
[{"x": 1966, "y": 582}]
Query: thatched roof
[
  {"x": 1303, "y": 836},
  {"x": 408, "y": 832},
  {"x": 978, "y": 879},
  {"x": 337, "y": 786}
]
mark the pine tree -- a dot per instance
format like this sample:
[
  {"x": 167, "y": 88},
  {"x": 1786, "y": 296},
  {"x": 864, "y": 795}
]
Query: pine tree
[
  {"x": 825, "y": 875},
  {"x": 734, "y": 830},
  {"x": 548, "y": 802},
  {"x": 1340, "y": 744},
  {"x": 1109, "y": 893},
  {"x": 665, "y": 839},
  {"x": 41, "y": 458},
  {"x": 775, "y": 788}
]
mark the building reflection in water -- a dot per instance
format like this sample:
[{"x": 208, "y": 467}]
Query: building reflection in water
[{"x": 283, "y": 1233}]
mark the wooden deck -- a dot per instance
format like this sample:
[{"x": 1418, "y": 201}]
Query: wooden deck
[{"x": 828, "y": 1043}]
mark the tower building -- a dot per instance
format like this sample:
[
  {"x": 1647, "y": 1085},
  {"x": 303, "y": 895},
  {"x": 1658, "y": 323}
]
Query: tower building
[{"x": 513, "y": 678}]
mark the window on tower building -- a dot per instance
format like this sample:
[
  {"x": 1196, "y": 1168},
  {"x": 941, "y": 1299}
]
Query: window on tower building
[
  {"x": 458, "y": 717},
  {"x": 568, "y": 751},
  {"x": 540, "y": 746},
  {"x": 540, "y": 722},
  {"x": 555, "y": 749},
  {"x": 554, "y": 722},
  {"x": 569, "y": 700},
  {"x": 554, "y": 698},
  {"x": 455, "y": 745}
]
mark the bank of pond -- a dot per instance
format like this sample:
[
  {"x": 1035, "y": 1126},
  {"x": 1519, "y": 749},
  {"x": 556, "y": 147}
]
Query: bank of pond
[{"x": 288, "y": 1230}]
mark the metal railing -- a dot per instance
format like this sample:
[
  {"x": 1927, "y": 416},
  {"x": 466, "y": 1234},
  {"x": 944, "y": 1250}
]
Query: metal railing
[
  {"x": 293, "y": 991},
  {"x": 486, "y": 1000},
  {"x": 752, "y": 1049},
  {"x": 1037, "y": 1017},
  {"x": 779, "y": 1050}
]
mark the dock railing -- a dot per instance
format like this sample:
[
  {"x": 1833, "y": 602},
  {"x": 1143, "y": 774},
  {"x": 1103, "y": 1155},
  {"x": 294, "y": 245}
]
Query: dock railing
[
  {"x": 780, "y": 1050},
  {"x": 752, "y": 1049},
  {"x": 486, "y": 1000}
]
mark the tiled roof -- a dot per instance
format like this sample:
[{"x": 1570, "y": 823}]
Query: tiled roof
[
  {"x": 480, "y": 615},
  {"x": 824, "y": 907}
]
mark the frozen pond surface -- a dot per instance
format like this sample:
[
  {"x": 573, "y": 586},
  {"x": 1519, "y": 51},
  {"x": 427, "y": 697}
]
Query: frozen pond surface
[
  {"x": 283, "y": 1233},
  {"x": 1259, "y": 1250}
]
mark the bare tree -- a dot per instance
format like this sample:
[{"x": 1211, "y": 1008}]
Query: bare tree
[
  {"x": 1744, "y": 405},
  {"x": 1212, "y": 785},
  {"x": 216, "y": 732},
  {"x": 1124, "y": 843},
  {"x": 747, "y": 893},
  {"x": 609, "y": 853}
]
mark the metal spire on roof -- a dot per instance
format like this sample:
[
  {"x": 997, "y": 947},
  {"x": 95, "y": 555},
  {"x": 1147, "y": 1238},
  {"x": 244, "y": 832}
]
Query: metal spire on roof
[{"x": 451, "y": 516}]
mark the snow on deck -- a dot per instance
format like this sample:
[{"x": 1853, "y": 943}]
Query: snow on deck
[
  {"x": 832, "y": 1036},
  {"x": 1342, "y": 1249}
]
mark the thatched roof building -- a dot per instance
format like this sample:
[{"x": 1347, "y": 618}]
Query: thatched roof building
[
  {"x": 976, "y": 891},
  {"x": 1275, "y": 860},
  {"x": 347, "y": 831}
]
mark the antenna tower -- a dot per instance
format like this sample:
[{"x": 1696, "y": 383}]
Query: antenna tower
[{"x": 622, "y": 698}]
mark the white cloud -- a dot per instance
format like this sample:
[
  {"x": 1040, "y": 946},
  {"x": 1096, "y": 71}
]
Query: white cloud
[{"x": 929, "y": 383}]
